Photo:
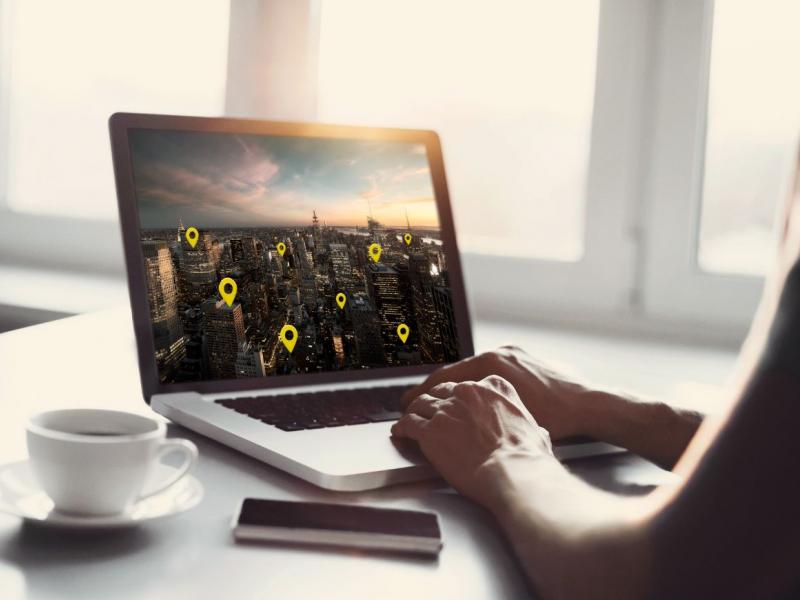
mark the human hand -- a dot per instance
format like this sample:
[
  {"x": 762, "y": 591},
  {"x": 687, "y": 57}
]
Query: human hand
[
  {"x": 554, "y": 400},
  {"x": 465, "y": 428}
]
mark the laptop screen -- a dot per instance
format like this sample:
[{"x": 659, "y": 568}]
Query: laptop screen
[{"x": 274, "y": 255}]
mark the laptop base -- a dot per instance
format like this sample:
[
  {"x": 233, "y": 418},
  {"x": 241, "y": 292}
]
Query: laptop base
[{"x": 348, "y": 459}]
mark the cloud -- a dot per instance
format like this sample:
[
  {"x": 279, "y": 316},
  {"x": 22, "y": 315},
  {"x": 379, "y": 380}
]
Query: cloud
[
  {"x": 209, "y": 187},
  {"x": 405, "y": 174},
  {"x": 386, "y": 184},
  {"x": 416, "y": 200},
  {"x": 374, "y": 192},
  {"x": 390, "y": 204},
  {"x": 219, "y": 181}
]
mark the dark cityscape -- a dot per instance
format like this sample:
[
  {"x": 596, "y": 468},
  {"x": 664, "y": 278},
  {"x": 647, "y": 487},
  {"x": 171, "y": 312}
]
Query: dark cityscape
[{"x": 199, "y": 336}]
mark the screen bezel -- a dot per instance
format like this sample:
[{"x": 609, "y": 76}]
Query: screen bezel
[{"x": 121, "y": 123}]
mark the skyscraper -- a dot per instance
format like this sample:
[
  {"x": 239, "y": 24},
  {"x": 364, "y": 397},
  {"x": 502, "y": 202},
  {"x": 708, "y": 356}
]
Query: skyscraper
[
  {"x": 384, "y": 287},
  {"x": 338, "y": 346},
  {"x": 250, "y": 362},
  {"x": 224, "y": 329},
  {"x": 341, "y": 269},
  {"x": 308, "y": 290},
  {"x": 366, "y": 331},
  {"x": 198, "y": 269},
  {"x": 430, "y": 338},
  {"x": 253, "y": 297},
  {"x": 252, "y": 257},
  {"x": 244, "y": 253},
  {"x": 237, "y": 250},
  {"x": 162, "y": 296},
  {"x": 303, "y": 259},
  {"x": 443, "y": 302}
]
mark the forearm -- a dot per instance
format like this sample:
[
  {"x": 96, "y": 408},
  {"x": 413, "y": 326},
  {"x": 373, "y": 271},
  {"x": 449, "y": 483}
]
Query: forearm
[
  {"x": 653, "y": 430},
  {"x": 572, "y": 540}
]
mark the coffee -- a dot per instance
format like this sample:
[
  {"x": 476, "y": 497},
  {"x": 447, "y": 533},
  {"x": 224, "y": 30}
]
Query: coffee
[{"x": 96, "y": 462}]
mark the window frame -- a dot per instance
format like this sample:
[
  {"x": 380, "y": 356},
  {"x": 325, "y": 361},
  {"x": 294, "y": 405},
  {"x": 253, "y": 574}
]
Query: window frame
[
  {"x": 601, "y": 283},
  {"x": 44, "y": 241},
  {"x": 643, "y": 177},
  {"x": 676, "y": 287}
]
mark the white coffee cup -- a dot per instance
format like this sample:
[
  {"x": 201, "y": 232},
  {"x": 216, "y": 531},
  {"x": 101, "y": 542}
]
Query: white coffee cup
[{"x": 96, "y": 462}]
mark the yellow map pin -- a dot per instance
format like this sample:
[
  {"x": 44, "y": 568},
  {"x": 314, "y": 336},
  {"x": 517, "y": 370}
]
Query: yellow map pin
[
  {"x": 402, "y": 332},
  {"x": 227, "y": 289},
  {"x": 375, "y": 251},
  {"x": 341, "y": 299},
  {"x": 289, "y": 337},
  {"x": 407, "y": 237},
  {"x": 192, "y": 235},
  {"x": 281, "y": 248}
]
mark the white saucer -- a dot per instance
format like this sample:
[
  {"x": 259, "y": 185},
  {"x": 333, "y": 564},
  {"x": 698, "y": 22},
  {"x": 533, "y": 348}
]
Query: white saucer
[{"x": 21, "y": 496}]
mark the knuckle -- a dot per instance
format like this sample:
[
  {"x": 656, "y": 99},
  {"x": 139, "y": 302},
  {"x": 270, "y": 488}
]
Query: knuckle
[
  {"x": 446, "y": 406},
  {"x": 489, "y": 358},
  {"x": 468, "y": 394},
  {"x": 510, "y": 350},
  {"x": 500, "y": 385},
  {"x": 418, "y": 403},
  {"x": 463, "y": 388},
  {"x": 438, "y": 419},
  {"x": 445, "y": 386},
  {"x": 495, "y": 358},
  {"x": 497, "y": 381}
]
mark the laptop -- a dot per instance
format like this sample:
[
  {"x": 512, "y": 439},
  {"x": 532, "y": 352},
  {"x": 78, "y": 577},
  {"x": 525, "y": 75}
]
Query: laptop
[{"x": 288, "y": 283}]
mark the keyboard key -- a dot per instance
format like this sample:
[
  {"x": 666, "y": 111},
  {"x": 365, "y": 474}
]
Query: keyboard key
[
  {"x": 289, "y": 426},
  {"x": 385, "y": 415},
  {"x": 314, "y": 410}
]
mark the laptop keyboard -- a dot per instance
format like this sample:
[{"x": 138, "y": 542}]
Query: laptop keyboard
[{"x": 314, "y": 410}]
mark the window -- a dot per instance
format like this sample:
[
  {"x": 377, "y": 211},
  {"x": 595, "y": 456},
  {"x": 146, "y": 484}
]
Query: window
[
  {"x": 508, "y": 85},
  {"x": 72, "y": 64},
  {"x": 753, "y": 126},
  {"x": 598, "y": 161}
]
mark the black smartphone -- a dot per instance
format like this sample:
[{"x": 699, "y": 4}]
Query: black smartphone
[{"x": 345, "y": 525}]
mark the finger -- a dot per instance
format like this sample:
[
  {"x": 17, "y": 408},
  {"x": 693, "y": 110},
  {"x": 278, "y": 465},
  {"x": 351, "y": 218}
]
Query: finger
[
  {"x": 442, "y": 390},
  {"x": 464, "y": 370},
  {"x": 433, "y": 379},
  {"x": 424, "y": 405},
  {"x": 411, "y": 426}
]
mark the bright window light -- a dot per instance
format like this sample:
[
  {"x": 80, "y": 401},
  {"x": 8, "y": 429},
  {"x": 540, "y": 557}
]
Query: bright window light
[
  {"x": 75, "y": 63},
  {"x": 508, "y": 85},
  {"x": 753, "y": 127}
]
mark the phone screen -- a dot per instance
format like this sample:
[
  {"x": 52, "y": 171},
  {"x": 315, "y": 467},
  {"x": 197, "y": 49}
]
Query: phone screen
[{"x": 338, "y": 517}]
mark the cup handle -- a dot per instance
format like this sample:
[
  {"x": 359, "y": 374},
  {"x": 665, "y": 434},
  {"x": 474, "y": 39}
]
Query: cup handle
[{"x": 189, "y": 451}]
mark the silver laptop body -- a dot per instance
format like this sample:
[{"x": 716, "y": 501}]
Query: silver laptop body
[{"x": 200, "y": 201}]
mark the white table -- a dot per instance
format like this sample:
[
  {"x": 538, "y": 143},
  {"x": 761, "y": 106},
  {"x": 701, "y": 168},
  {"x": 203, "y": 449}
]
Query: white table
[{"x": 89, "y": 360}]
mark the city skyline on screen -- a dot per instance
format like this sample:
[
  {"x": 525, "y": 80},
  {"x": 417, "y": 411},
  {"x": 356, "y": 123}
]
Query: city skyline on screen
[{"x": 245, "y": 237}]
